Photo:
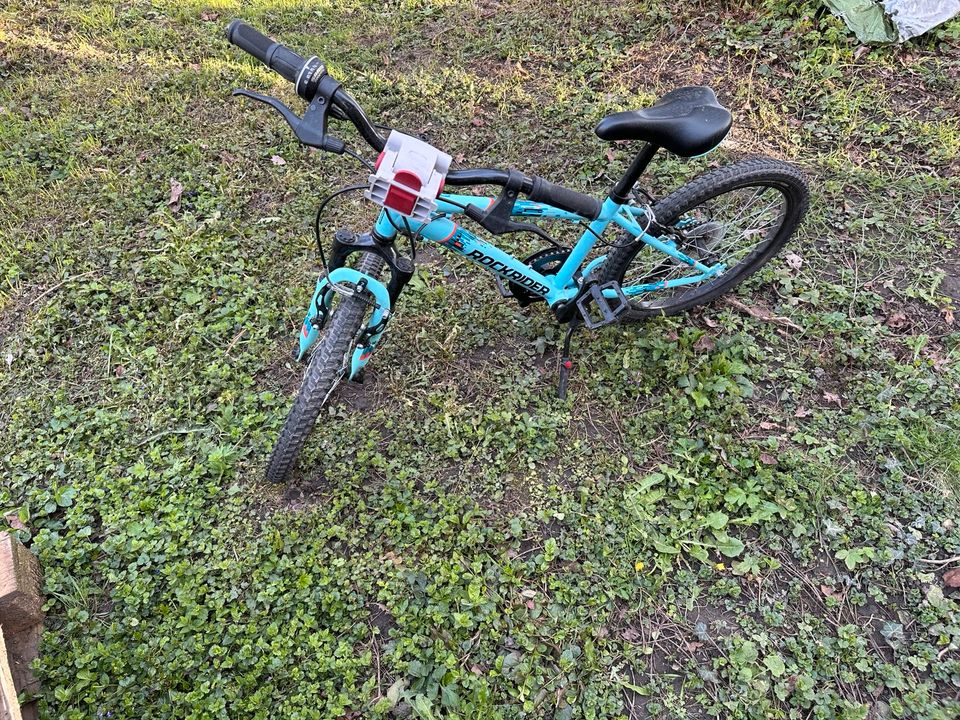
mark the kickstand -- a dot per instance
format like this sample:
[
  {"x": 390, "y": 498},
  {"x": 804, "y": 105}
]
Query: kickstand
[{"x": 566, "y": 364}]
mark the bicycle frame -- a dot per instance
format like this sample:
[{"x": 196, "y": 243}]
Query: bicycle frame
[{"x": 555, "y": 288}]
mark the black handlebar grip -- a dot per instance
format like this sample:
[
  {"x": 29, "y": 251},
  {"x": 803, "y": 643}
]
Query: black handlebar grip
[
  {"x": 564, "y": 198},
  {"x": 271, "y": 53}
]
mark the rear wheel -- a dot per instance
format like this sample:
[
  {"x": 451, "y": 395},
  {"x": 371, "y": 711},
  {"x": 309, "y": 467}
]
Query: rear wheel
[
  {"x": 739, "y": 215},
  {"x": 329, "y": 364}
]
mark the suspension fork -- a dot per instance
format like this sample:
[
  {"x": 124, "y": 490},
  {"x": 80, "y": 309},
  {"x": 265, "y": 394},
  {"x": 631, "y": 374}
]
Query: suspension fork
[{"x": 346, "y": 243}]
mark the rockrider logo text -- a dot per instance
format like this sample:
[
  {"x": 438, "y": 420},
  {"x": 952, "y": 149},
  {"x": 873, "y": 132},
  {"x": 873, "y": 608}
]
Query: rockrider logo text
[{"x": 508, "y": 272}]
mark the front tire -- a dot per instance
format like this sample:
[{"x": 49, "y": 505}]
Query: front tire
[
  {"x": 329, "y": 363},
  {"x": 690, "y": 214}
]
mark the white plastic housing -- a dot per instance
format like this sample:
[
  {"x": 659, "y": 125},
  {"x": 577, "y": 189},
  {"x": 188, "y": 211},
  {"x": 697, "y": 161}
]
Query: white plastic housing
[{"x": 409, "y": 176}]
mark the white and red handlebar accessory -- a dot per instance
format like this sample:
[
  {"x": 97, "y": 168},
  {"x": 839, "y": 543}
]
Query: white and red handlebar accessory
[{"x": 409, "y": 176}]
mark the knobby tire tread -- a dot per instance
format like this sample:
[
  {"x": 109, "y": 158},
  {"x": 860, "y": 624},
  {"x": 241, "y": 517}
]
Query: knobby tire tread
[{"x": 323, "y": 372}]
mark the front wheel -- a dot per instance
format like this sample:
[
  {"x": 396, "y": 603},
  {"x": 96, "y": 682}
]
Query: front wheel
[
  {"x": 739, "y": 215},
  {"x": 329, "y": 363}
]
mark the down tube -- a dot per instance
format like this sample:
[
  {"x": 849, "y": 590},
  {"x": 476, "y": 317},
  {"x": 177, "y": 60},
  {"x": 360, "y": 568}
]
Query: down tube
[{"x": 448, "y": 234}]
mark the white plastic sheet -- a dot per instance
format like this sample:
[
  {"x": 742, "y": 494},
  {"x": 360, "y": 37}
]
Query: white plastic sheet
[
  {"x": 893, "y": 20},
  {"x": 915, "y": 17}
]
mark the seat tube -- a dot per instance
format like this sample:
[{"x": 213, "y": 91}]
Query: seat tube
[
  {"x": 583, "y": 247},
  {"x": 621, "y": 191}
]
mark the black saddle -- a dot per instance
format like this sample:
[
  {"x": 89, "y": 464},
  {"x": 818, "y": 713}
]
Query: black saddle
[{"x": 687, "y": 121}]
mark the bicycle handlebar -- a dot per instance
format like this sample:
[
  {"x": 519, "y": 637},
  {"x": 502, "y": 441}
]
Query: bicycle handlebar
[
  {"x": 564, "y": 198},
  {"x": 306, "y": 75},
  {"x": 274, "y": 55}
]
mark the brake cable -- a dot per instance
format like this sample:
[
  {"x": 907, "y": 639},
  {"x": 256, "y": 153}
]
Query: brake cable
[
  {"x": 369, "y": 165},
  {"x": 323, "y": 258},
  {"x": 316, "y": 219}
]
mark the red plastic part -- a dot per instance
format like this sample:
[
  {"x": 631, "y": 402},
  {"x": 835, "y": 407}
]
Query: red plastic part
[
  {"x": 376, "y": 165},
  {"x": 408, "y": 178},
  {"x": 400, "y": 200}
]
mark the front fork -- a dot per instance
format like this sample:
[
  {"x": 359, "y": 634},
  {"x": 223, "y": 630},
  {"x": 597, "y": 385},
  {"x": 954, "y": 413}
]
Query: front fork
[{"x": 345, "y": 243}]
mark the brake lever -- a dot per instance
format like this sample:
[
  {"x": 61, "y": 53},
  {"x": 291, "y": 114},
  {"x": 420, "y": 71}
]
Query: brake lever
[
  {"x": 497, "y": 219},
  {"x": 498, "y": 226},
  {"x": 311, "y": 129}
]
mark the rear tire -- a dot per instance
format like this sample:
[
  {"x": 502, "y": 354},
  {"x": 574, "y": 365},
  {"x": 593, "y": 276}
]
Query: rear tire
[
  {"x": 758, "y": 175},
  {"x": 328, "y": 365}
]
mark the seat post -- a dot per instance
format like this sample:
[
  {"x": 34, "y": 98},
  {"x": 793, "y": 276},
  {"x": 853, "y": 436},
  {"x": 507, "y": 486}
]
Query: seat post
[{"x": 621, "y": 191}]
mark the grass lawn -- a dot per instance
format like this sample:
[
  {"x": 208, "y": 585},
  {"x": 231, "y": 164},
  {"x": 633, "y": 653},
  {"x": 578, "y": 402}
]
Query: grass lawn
[{"x": 735, "y": 514}]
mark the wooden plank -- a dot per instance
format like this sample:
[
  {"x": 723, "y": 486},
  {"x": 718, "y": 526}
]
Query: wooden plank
[
  {"x": 22, "y": 649},
  {"x": 20, "y": 601},
  {"x": 21, "y": 621},
  {"x": 9, "y": 707}
]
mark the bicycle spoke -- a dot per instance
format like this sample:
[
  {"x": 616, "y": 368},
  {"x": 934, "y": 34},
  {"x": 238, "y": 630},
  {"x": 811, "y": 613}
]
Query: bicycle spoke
[{"x": 753, "y": 218}]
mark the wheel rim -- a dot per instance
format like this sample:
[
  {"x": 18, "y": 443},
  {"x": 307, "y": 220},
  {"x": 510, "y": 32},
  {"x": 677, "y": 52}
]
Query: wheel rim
[{"x": 730, "y": 228}]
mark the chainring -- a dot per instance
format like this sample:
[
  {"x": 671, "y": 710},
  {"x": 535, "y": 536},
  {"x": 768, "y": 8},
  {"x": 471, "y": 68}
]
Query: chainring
[{"x": 545, "y": 262}]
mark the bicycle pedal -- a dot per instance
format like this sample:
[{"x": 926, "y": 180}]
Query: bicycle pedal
[
  {"x": 504, "y": 290},
  {"x": 610, "y": 309}
]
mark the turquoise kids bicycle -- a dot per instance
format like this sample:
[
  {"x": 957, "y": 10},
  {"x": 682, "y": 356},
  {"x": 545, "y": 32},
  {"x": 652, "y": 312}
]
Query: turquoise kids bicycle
[{"x": 668, "y": 255}]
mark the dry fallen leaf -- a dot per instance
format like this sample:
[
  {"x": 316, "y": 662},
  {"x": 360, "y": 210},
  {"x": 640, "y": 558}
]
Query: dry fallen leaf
[
  {"x": 176, "y": 190},
  {"x": 951, "y": 578},
  {"x": 704, "y": 344},
  {"x": 209, "y": 15},
  {"x": 860, "y": 52},
  {"x": 801, "y": 412},
  {"x": 794, "y": 261},
  {"x": 609, "y": 154},
  {"x": 277, "y": 160},
  {"x": 830, "y": 592},
  {"x": 939, "y": 362},
  {"x": 896, "y": 320},
  {"x": 766, "y": 425},
  {"x": 947, "y": 316},
  {"x": 832, "y": 398},
  {"x": 768, "y": 459},
  {"x": 761, "y": 314}
]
